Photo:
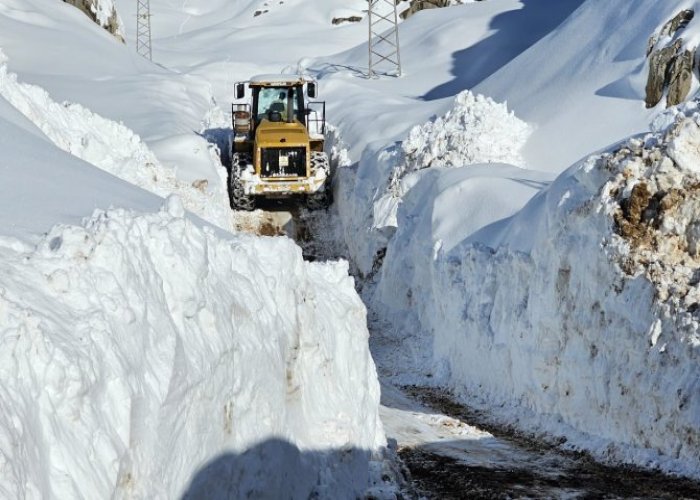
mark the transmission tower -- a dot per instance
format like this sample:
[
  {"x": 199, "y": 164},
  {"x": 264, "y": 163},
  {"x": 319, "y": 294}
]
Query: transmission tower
[
  {"x": 143, "y": 28},
  {"x": 384, "y": 52}
]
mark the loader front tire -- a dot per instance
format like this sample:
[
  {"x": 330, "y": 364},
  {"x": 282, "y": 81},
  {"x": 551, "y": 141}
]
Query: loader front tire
[
  {"x": 237, "y": 196},
  {"x": 323, "y": 199}
]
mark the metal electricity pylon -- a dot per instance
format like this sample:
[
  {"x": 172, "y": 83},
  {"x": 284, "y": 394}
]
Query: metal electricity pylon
[
  {"x": 143, "y": 28},
  {"x": 384, "y": 51}
]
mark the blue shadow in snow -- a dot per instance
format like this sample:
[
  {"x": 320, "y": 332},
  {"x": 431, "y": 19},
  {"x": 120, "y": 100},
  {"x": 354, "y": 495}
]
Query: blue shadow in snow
[
  {"x": 516, "y": 31},
  {"x": 275, "y": 469}
]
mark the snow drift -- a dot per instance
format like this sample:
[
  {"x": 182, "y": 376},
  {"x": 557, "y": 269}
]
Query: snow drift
[
  {"x": 578, "y": 315},
  {"x": 475, "y": 130},
  {"x": 110, "y": 146},
  {"x": 138, "y": 347}
]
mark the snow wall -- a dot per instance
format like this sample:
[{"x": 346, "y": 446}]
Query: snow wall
[
  {"x": 578, "y": 315},
  {"x": 145, "y": 357}
]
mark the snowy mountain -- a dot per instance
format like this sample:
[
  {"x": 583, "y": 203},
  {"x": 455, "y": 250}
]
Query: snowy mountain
[{"x": 515, "y": 258}]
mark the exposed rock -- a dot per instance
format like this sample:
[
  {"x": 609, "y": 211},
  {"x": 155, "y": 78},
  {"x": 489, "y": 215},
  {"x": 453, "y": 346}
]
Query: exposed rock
[
  {"x": 681, "y": 20},
  {"x": 670, "y": 65},
  {"x": 111, "y": 22},
  {"x": 351, "y": 19},
  {"x": 266, "y": 6},
  {"x": 681, "y": 78},
  {"x": 659, "y": 63},
  {"x": 418, "y": 5}
]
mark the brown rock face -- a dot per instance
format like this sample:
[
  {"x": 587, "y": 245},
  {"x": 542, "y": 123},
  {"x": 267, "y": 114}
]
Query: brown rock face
[
  {"x": 418, "y": 5},
  {"x": 681, "y": 20},
  {"x": 670, "y": 67},
  {"x": 681, "y": 78},
  {"x": 659, "y": 63},
  {"x": 341, "y": 20},
  {"x": 89, "y": 8}
]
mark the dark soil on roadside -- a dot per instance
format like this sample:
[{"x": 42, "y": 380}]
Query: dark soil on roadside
[{"x": 551, "y": 473}]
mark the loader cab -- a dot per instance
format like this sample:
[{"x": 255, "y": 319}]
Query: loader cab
[
  {"x": 271, "y": 103},
  {"x": 273, "y": 100}
]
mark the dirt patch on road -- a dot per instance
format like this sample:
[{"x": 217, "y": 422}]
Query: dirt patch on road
[
  {"x": 438, "y": 477},
  {"x": 548, "y": 472},
  {"x": 262, "y": 223}
]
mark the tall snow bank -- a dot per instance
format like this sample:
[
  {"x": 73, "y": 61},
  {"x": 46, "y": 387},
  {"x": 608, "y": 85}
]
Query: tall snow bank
[
  {"x": 109, "y": 146},
  {"x": 140, "y": 350},
  {"x": 476, "y": 130},
  {"x": 578, "y": 316}
]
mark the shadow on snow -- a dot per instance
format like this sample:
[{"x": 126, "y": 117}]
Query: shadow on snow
[
  {"x": 515, "y": 32},
  {"x": 276, "y": 469}
]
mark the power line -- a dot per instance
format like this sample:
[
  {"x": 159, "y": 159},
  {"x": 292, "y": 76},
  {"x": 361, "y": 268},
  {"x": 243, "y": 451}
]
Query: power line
[
  {"x": 143, "y": 28},
  {"x": 384, "y": 51}
]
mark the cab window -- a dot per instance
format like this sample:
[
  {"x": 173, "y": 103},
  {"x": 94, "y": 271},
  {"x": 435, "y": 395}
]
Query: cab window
[{"x": 274, "y": 99}]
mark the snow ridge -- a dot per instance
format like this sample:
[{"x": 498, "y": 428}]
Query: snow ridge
[
  {"x": 108, "y": 145},
  {"x": 476, "y": 130}
]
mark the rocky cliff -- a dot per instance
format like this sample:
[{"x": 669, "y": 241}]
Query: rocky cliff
[
  {"x": 102, "y": 12},
  {"x": 418, "y": 5},
  {"x": 672, "y": 64}
]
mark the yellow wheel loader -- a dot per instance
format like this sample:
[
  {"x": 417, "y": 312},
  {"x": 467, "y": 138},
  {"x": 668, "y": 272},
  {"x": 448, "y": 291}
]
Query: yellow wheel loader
[{"x": 277, "y": 147}]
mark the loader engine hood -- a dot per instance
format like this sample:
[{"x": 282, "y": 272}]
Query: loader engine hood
[{"x": 281, "y": 134}]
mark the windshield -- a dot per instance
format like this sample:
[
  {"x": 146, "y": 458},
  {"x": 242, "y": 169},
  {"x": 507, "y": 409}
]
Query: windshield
[{"x": 271, "y": 99}]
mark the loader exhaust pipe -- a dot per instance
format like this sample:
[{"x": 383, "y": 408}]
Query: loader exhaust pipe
[{"x": 290, "y": 105}]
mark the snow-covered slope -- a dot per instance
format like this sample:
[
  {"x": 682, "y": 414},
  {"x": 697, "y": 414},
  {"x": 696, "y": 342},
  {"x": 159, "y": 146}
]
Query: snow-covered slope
[
  {"x": 166, "y": 109},
  {"x": 111, "y": 147},
  {"x": 586, "y": 79},
  {"x": 41, "y": 185}
]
